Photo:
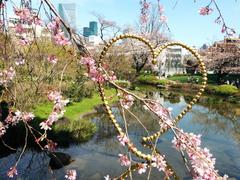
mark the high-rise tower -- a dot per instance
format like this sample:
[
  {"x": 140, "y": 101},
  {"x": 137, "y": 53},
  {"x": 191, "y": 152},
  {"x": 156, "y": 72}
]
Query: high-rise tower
[{"x": 67, "y": 11}]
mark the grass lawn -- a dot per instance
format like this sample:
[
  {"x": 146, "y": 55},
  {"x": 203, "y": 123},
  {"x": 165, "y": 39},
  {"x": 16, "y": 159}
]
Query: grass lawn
[
  {"x": 75, "y": 109},
  {"x": 184, "y": 78}
]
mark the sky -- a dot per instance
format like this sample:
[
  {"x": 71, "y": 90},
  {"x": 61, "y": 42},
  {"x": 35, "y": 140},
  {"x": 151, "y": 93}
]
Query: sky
[{"x": 183, "y": 18}]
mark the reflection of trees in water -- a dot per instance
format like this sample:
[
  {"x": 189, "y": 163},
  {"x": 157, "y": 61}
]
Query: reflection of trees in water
[
  {"x": 222, "y": 118},
  {"x": 225, "y": 109},
  {"x": 34, "y": 164},
  {"x": 173, "y": 97}
]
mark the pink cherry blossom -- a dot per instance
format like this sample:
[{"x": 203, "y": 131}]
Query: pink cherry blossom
[
  {"x": 159, "y": 162},
  {"x": 2, "y": 129},
  {"x": 71, "y": 175},
  {"x": 146, "y": 5},
  {"x": 24, "y": 41},
  {"x": 162, "y": 112},
  {"x": 123, "y": 139},
  {"x": 94, "y": 72},
  {"x": 19, "y": 28},
  {"x": 124, "y": 161},
  {"x": 51, "y": 146},
  {"x": 58, "y": 109},
  {"x": 201, "y": 160},
  {"x": 163, "y": 18},
  {"x": 52, "y": 59},
  {"x": 142, "y": 167},
  {"x": 37, "y": 21},
  {"x": 127, "y": 101},
  {"x": 223, "y": 30},
  {"x": 24, "y": 14},
  {"x": 161, "y": 9},
  {"x": 7, "y": 76},
  {"x": 144, "y": 12},
  {"x": 45, "y": 125},
  {"x": 13, "y": 118},
  {"x": 54, "y": 96},
  {"x": 111, "y": 76},
  {"x": 205, "y": 11},
  {"x": 60, "y": 39},
  {"x": 27, "y": 116},
  {"x": 12, "y": 172},
  {"x": 54, "y": 25}
]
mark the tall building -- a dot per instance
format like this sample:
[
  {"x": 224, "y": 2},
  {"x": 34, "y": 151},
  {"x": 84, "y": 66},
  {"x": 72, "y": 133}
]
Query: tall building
[
  {"x": 92, "y": 30},
  {"x": 68, "y": 11},
  {"x": 86, "y": 31},
  {"x": 26, "y": 4}
]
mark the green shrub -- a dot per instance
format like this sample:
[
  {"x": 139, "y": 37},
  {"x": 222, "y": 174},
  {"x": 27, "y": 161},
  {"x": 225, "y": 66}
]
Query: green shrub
[
  {"x": 83, "y": 129},
  {"x": 78, "y": 131},
  {"x": 76, "y": 92},
  {"x": 225, "y": 89},
  {"x": 151, "y": 79},
  {"x": 123, "y": 83}
]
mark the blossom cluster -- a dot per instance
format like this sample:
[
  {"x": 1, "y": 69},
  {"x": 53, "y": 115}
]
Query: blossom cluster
[
  {"x": 2, "y": 129},
  {"x": 7, "y": 76},
  {"x": 58, "y": 109},
  {"x": 142, "y": 167},
  {"x": 52, "y": 59},
  {"x": 26, "y": 17},
  {"x": 71, "y": 175},
  {"x": 58, "y": 35},
  {"x": 162, "y": 112},
  {"x": 12, "y": 172},
  {"x": 95, "y": 73},
  {"x": 50, "y": 146},
  {"x": 123, "y": 159},
  {"x": 159, "y": 162},
  {"x": 127, "y": 101},
  {"x": 201, "y": 160},
  {"x": 123, "y": 139},
  {"x": 144, "y": 11},
  {"x": 205, "y": 11},
  {"x": 161, "y": 10},
  {"x": 13, "y": 118}
]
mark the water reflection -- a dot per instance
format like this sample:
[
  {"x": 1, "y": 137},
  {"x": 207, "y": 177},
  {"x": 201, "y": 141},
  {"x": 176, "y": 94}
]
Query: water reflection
[{"x": 217, "y": 121}]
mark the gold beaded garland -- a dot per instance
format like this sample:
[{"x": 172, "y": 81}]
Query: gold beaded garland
[{"x": 154, "y": 53}]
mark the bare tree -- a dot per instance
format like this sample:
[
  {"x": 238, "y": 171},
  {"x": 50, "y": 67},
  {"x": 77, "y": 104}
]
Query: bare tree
[{"x": 107, "y": 27}]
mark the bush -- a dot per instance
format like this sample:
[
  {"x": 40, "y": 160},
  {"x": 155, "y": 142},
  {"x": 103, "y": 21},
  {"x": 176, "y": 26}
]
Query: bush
[
  {"x": 153, "y": 80},
  {"x": 83, "y": 130},
  {"x": 76, "y": 92},
  {"x": 75, "y": 131},
  {"x": 123, "y": 83},
  {"x": 225, "y": 89}
]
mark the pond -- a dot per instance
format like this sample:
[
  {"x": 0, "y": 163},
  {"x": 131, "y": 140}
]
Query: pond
[{"x": 216, "y": 120}]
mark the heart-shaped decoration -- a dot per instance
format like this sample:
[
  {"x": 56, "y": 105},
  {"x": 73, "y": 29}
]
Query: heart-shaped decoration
[{"x": 154, "y": 53}]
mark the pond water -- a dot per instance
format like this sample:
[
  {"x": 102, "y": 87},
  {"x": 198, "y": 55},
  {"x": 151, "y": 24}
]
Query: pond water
[{"x": 216, "y": 120}]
